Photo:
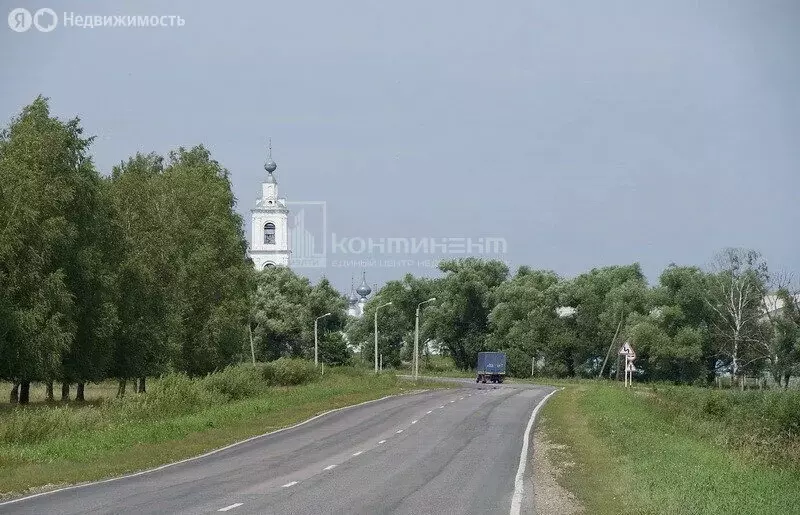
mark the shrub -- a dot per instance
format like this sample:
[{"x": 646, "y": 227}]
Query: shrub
[
  {"x": 289, "y": 372},
  {"x": 716, "y": 405},
  {"x": 237, "y": 382},
  {"x": 172, "y": 394}
]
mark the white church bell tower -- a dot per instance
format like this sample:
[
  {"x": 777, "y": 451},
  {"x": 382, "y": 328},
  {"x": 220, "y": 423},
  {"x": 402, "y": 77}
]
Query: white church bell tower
[{"x": 269, "y": 242}]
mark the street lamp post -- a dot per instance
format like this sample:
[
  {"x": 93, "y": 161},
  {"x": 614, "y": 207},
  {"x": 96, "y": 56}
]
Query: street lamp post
[
  {"x": 376, "y": 334},
  {"x": 416, "y": 337},
  {"x": 316, "y": 339}
]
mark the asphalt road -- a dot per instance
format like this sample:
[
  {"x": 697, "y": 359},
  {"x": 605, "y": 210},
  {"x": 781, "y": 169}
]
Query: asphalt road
[{"x": 442, "y": 452}]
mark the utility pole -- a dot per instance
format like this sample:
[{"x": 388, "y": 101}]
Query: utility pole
[
  {"x": 252, "y": 349},
  {"x": 416, "y": 337},
  {"x": 316, "y": 340},
  {"x": 376, "y": 334},
  {"x": 600, "y": 375}
]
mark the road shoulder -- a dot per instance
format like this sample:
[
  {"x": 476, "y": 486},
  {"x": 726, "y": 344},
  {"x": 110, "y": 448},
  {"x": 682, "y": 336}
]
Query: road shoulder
[{"x": 548, "y": 495}]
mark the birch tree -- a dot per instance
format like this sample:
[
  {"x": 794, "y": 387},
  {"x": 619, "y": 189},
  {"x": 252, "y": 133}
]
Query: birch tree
[{"x": 735, "y": 295}]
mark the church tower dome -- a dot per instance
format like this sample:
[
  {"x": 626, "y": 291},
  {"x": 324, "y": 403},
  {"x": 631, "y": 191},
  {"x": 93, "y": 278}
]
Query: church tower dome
[
  {"x": 269, "y": 243},
  {"x": 364, "y": 290}
]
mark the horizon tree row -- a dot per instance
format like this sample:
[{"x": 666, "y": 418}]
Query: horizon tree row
[{"x": 690, "y": 327}]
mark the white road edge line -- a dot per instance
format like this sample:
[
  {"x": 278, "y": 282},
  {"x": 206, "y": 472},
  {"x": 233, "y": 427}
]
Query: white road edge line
[
  {"x": 357, "y": 453},
  {"x": 287, "y": 485},
  {"x": 232, "y": 506},
  {"x": 330, "y": 467},
  {"x": 215, "y": 451},
  {"x": 516, "y": 499}
]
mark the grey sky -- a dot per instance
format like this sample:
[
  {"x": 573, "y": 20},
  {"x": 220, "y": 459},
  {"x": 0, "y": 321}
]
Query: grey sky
[{"x": 586, "y": 133}]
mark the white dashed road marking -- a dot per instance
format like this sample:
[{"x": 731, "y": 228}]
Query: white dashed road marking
[
  {"x": 287, "y": 485},
  {"x": 330, "y": 467},
  {"x": 414, "y": 421},
  {"x": 428, "y": 413},
  {"x": 382, "y": 441},
  {"x": 357, "y": 453},
  {"x": 399, "y": 431},
  {"x": 442, "y": 406},
  {"x": 232, "y": 506}
]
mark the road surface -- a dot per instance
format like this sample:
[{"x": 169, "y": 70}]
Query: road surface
[{"x": 443, "y": 452}]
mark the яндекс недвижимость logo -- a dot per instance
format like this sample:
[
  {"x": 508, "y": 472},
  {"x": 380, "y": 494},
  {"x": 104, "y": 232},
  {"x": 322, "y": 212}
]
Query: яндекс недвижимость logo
[{"x": 21, "y": 19}]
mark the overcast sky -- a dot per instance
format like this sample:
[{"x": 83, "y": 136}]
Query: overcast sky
[{"x": 585, "y": 133}]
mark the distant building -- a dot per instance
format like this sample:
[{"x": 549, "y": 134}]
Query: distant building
[
  {"x": 269, "y": 242},
  {"x": 565, "y": 311},
  {"x": 774, "y": 305},
  {"x": 358, "y": 297}
]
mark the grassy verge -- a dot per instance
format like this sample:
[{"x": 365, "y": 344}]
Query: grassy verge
[
  {"x": 630, "y": 452},
  {"x": 117, "y": 437}
]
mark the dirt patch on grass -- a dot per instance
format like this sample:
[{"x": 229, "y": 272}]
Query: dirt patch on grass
[{"x": 548, "y": 496}]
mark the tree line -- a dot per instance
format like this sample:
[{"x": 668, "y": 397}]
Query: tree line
[
  {"x": 144, "y": 270},
  {"x": 693, "y": 325},
  {"x": 133, "y": 273}
]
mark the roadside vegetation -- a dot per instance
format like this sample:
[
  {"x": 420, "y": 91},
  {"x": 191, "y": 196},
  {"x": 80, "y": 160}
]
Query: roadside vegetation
[
  {"x": 676, "y": 450},
  {"x": 60, "y": 443},
  {"x": 142, "y": 270},
  {"x": 139, "y": 276}
]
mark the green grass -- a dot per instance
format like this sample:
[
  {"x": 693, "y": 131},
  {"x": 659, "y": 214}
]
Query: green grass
[
  {"x": 68, "y": 443},
  {"x": 628, "y": 452}
]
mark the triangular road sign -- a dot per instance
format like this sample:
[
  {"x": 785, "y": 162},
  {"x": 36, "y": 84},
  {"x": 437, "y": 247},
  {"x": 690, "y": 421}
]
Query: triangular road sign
[
  {"x": 630, "y": 367},
  {"x": 627, "y": 350}
]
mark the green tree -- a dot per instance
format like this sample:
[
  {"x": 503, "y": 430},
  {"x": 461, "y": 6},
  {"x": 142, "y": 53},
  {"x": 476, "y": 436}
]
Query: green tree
[
  {"x": 205, "y": 241},
  {"x": 736, "y": 292},
  {"x": 145, "y": 271},
  {"x": 279, "y": 314},
  {"x": 397, "y": 321},
  {"x": 602, "y": 298},
  {"x": 525, "y": 314},
  {"x": 459, "y": 320},
  {"x": 42, "y": 162},
  {"x": 681, "y": 300},
  {"x": 91, "y": 280},
  {"x": 324, "y": 298},
  {"x": 666, "y": 358}
]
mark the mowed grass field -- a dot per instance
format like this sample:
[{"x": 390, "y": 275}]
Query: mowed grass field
[
  {"x": 646, "y": 452},
  {"x": 46, "y": 445}
]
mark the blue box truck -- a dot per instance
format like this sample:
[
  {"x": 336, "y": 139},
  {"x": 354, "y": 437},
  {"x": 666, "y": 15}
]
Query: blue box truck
[{"x": 491, "y": 367}]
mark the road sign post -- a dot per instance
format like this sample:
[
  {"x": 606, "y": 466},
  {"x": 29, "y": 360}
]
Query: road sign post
[
  {"x": 629, "y": 370},
  {"x": 627, "y": 351}
]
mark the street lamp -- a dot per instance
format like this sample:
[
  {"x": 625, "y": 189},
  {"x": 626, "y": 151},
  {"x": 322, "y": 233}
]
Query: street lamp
[
  {"x": 316, "y": 340},
  {"x": 416, "y": 337},
  {"x": 376, "y": 334}
]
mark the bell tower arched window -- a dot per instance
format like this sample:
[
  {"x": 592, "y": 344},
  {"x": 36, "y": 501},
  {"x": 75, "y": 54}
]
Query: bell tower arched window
[{"x": 269, "y": 233}]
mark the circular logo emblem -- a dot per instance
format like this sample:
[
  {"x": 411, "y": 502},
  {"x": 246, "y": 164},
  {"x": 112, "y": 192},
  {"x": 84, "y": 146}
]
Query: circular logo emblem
[
  {"x": 45, "y": 19},
  {"x": 20, "y": 19}
]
